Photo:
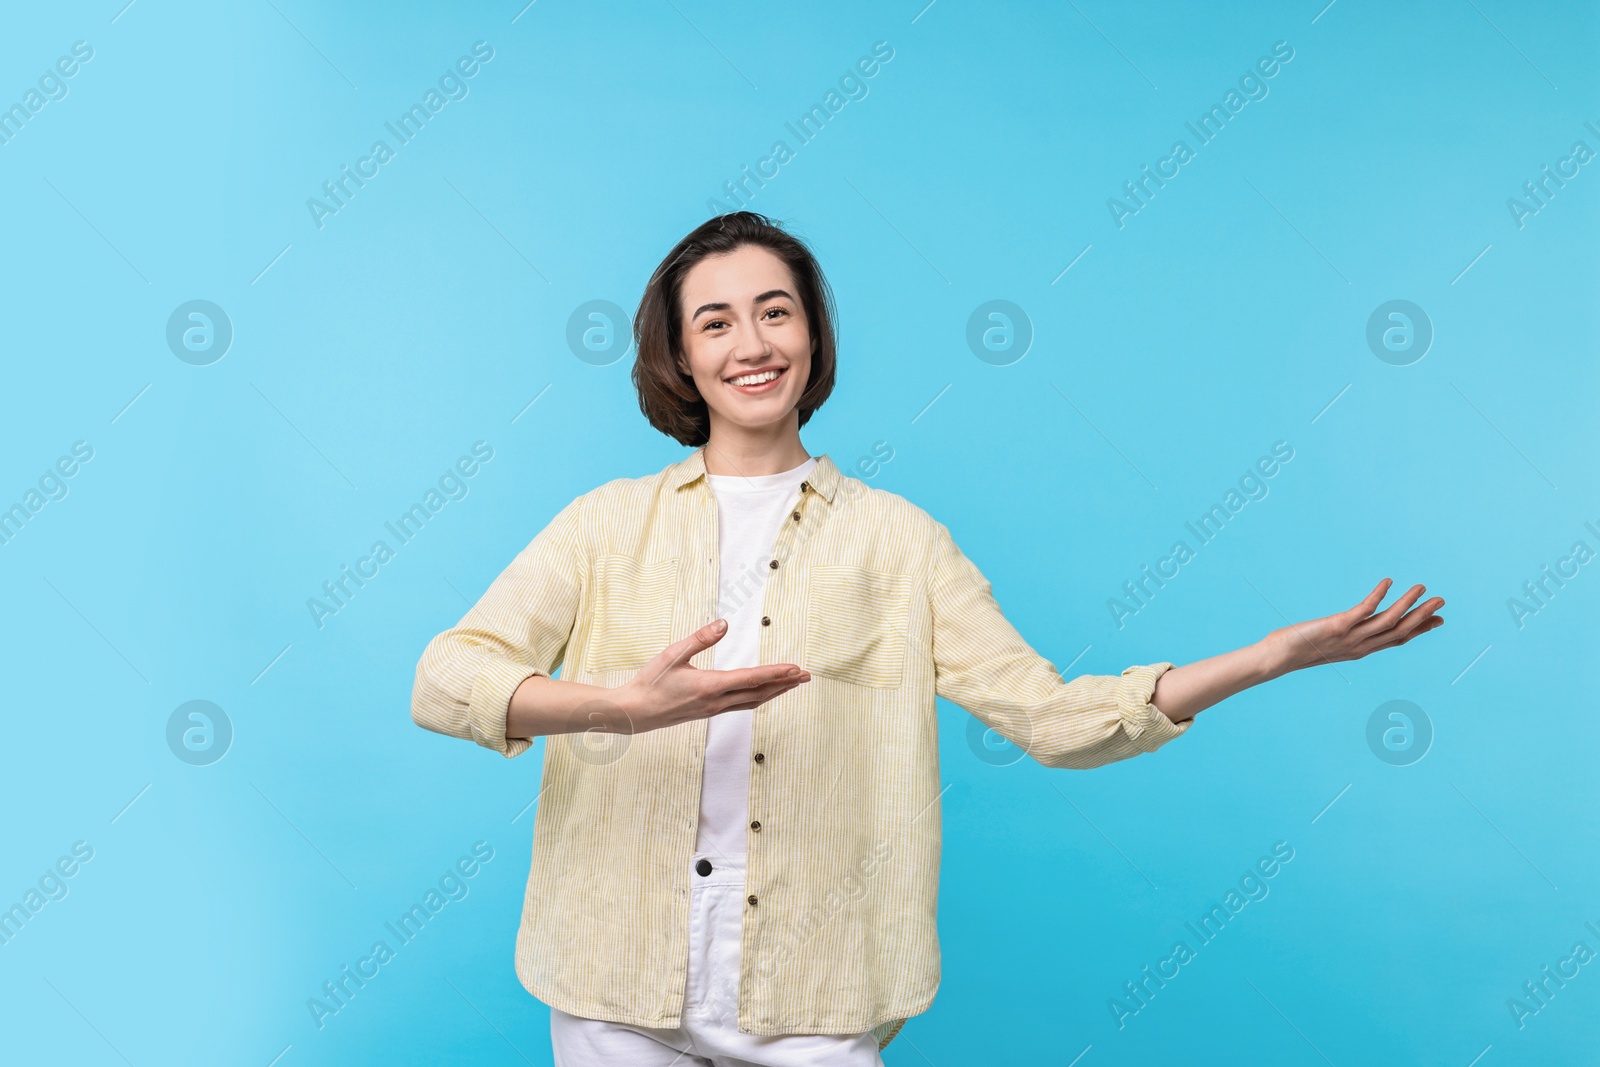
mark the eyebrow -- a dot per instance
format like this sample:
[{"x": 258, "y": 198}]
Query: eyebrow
[{"x": 763, "y": 298}]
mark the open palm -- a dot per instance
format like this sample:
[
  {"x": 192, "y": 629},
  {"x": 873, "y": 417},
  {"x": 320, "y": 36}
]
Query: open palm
[{"x": 1357, "y": 632}]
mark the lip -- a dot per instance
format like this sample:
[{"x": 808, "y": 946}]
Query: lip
[{"x": 764, "y": 387}]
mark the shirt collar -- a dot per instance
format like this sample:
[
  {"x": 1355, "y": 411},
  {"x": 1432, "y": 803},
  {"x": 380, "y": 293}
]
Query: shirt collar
[{"x": 824, "y": 477}]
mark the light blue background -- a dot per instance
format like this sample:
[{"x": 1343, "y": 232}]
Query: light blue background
[{"x": 1228, "y": 314}]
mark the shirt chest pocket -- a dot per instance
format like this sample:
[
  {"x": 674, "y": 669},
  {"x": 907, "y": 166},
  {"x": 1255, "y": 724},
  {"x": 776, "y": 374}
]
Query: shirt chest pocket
[
  {"x": 856, "y": 625},
  {"x": 634, "y": 604}
]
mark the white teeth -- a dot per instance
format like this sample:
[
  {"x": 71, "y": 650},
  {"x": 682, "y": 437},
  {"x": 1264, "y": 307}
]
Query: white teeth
[{"x": 754, "y": 379}]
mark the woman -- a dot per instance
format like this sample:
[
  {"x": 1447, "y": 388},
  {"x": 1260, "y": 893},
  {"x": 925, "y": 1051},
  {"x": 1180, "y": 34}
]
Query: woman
[{"x": 736, "y": 848}]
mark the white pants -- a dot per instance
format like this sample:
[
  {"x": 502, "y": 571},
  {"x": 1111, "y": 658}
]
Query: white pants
[{"x": 709, "y": 1036}]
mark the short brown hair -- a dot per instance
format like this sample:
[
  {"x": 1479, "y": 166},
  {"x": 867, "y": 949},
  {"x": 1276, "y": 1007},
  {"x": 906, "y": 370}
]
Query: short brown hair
[{"x": 667, "y": 396}]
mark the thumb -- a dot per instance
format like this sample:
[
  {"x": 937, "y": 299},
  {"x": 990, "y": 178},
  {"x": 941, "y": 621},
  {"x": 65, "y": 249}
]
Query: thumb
[{"x": 701, "y": 640}]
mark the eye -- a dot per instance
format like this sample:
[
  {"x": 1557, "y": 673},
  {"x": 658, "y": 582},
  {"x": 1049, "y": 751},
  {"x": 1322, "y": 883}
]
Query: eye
[{"x": 781, "y": 311}]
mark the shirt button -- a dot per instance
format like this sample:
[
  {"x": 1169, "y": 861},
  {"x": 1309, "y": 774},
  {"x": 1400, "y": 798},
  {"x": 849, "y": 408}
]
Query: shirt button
[
  {"x": 773, "y": 564},
  {"x": 752, "y": 899},
  {"x": 765, "y": 621},
  {"x": 804, "y": 486},
  {"x": 797, "y": 516},
  {"x": 760, "y": 756},
  {"x": 704, "y": 867},
  {"x": 756, "y": 825}
]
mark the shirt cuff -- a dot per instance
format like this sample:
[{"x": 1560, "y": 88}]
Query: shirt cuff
[
  {"x": 1143, "y": 721},
  {"x": 489, "y": 703}
]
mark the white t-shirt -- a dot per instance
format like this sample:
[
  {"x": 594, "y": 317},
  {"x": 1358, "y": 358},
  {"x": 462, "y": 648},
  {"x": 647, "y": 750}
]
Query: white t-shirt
[{"x": 750, "y": 511}]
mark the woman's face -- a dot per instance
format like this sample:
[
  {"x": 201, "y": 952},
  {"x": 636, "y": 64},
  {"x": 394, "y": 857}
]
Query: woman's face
[{"x": 742, "y": 315}]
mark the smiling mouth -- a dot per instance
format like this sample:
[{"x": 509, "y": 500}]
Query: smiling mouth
[{"x": 758, "y": 383}]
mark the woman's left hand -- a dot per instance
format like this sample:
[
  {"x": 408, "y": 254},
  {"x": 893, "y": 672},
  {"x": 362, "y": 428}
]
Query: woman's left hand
[{"x": 1356, "y": 632}]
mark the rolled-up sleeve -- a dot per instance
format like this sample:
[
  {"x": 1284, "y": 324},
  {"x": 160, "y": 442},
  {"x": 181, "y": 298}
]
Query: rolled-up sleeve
[
  {"x": 518, "y": 629},
  {"x": 983, "y": 664}
]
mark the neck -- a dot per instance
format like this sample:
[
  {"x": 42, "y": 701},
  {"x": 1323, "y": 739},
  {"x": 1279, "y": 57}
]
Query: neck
[{"x": 750, "y": 455}]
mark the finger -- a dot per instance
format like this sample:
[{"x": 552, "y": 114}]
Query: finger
[
  {"x": 1370, "y": 602},
  {"x": 758, "y": 694},
  {"x": 750, "y": 677},
  {"x": 1413, "y": 622},
  {"x": 742, "y": 684},
  {"x": 683, "y": 651},
  {"x": 1433, "y": 624},
  {"x": 680, "y": 652},
  {"x": 1386, "y": 620},
  {"x": 762, "y": 695},
  {"x": 1419, "y": 621},
  {"x": 752, "y": 698}
]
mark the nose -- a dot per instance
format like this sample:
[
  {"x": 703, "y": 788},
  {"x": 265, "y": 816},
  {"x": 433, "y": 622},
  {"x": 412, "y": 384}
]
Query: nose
[{"x": 750, "y": 347}]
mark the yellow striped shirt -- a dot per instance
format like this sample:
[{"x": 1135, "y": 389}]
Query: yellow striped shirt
[{"x": 871, "y": 595}]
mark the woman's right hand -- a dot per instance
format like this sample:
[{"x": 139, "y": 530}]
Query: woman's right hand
[{"x": 668, "y": 690}]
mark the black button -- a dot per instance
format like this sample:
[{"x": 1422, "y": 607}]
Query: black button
[
  {"x": 704, "y": 867},
  {"x": 756, "y": 825},
  {"x": 752, "y": 899},
  {"x": 773, "y": 564},
  {"x": 765, "y": 621},
  {"x": 797, "y": 516},
  {"x": 804, "y": 486},
  {"x": 760, "y": 757}
]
